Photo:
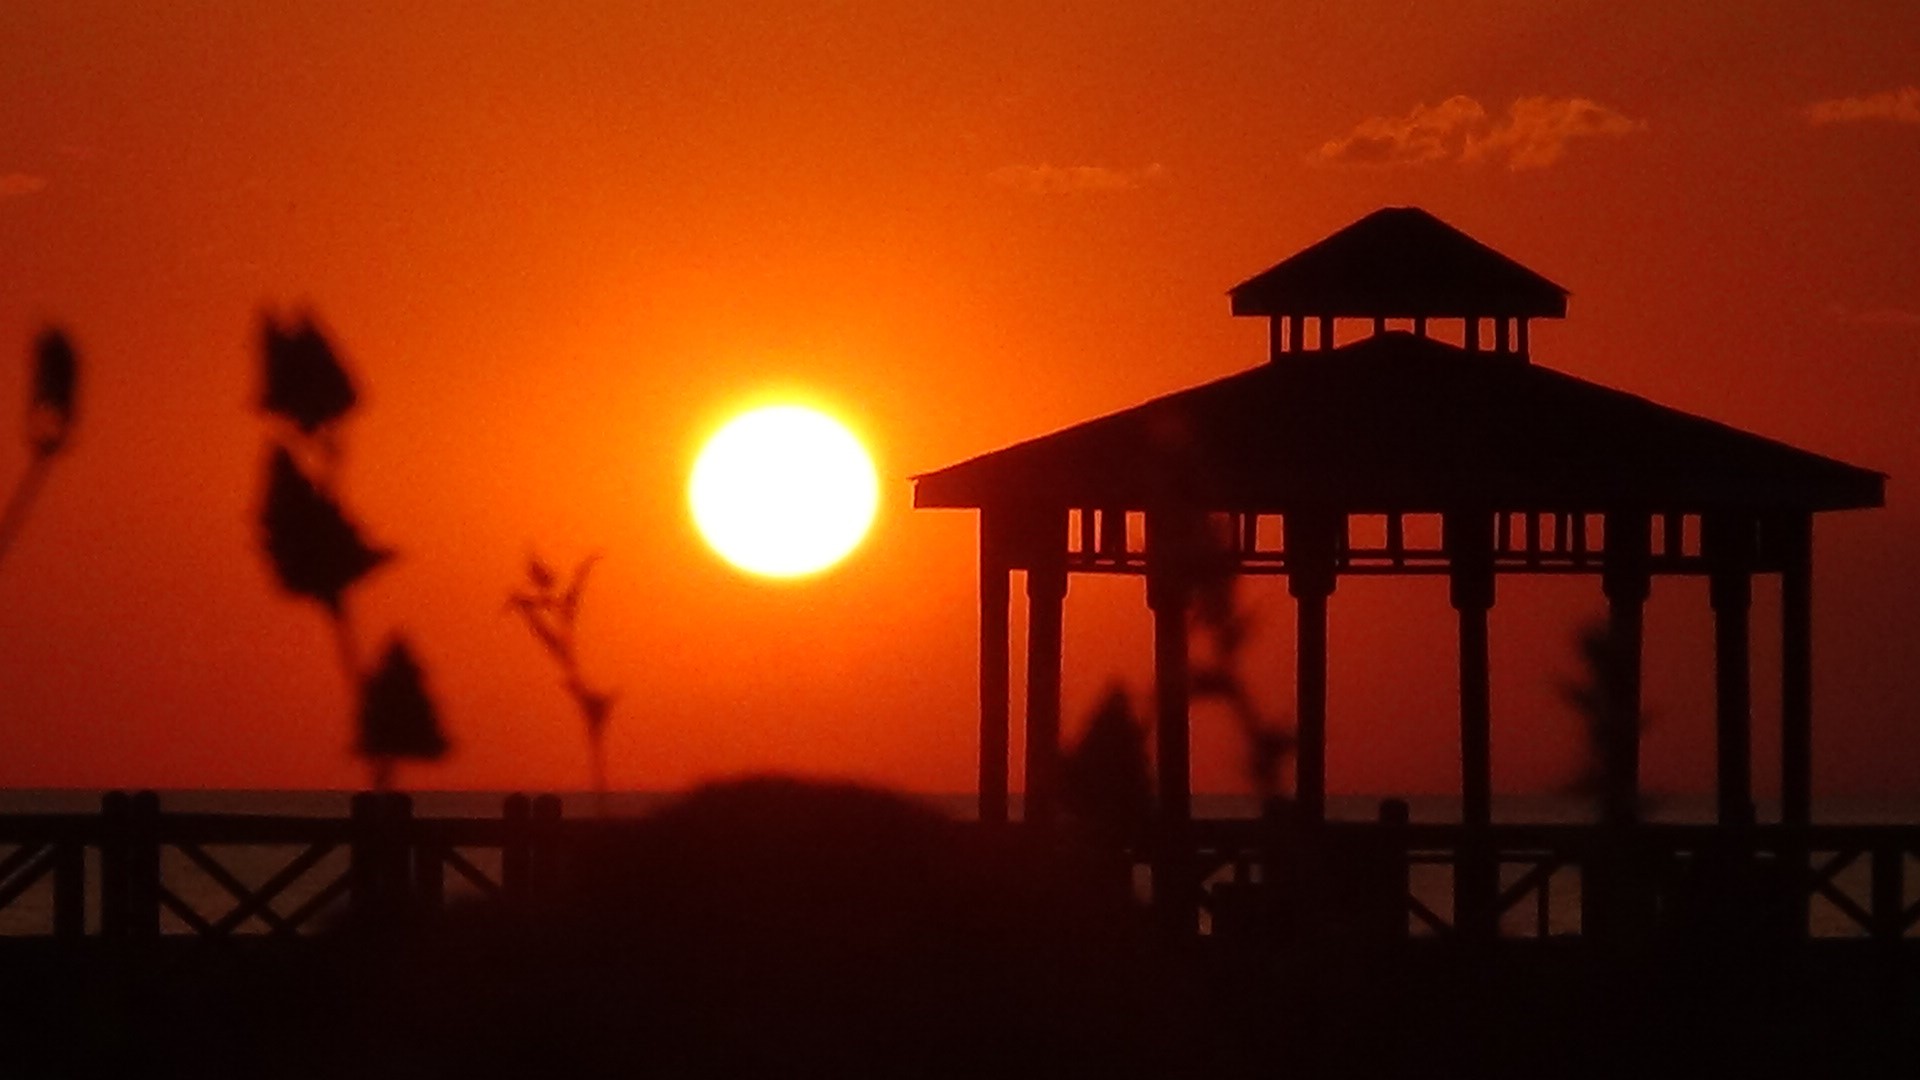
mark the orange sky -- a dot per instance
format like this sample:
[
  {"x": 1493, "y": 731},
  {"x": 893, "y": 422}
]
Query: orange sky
[{"x": 562, "y": 242}]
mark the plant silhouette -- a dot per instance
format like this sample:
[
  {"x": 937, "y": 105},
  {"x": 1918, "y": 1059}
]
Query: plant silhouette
[
  {"x": 319, "y": 553},
  {"x": 1225, "y": 627},
  {"x": 550, "y": 613},
  {"x": 1105, "y": 779},
  {"x": 52, "y": 408},
  {"x": 1598, "y": 698}
]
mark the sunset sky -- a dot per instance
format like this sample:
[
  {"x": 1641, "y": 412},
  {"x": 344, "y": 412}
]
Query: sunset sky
[{"x": 562, "y": 243}]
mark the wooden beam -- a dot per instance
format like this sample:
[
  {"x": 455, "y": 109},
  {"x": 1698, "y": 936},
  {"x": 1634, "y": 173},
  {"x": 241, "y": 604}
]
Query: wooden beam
[
  {"x": 1796, "y": 671},
  {"x": 1168, "y": 597},
  {"x": 1626, "y": 581},
  {"x": 1312, "y": 541},
  {"x": 1468, "y": 539},
  {"x": 995, "y": 601},
  {"x": 1728, "y": 543},
  {"x": 1046, "y": 602}
]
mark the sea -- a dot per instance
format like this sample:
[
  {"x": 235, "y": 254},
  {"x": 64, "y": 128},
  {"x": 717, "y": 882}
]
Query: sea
[{"x": 30, "y": 913}]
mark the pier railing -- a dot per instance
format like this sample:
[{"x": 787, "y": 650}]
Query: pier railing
[{"x": 135, "y": 871}]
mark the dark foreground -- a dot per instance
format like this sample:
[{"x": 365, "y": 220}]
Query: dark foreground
[{"x": 777, "y": 929}]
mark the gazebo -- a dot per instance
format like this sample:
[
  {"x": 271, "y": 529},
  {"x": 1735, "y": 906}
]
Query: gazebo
[{"x": 1398, "y": 454}]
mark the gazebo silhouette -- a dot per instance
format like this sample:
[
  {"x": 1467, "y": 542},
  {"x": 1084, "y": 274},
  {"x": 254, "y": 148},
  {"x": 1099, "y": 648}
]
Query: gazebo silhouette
[{"x": 1399, "y": 454}]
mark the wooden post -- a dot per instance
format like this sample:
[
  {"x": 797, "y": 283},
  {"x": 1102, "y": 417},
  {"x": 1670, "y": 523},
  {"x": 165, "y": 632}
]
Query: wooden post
[
  {"x": 1326, "y": 333},
  {"x": 1169, "y": 588},
  {"x": 1297, "y": 333},
  {"x": 1276, "y": 338},
  {"x": 1473, "y": 334},
  {"x": 143, "y": 866},
  {"x": 1468, "y": 538},
  {"x": 114, "y": 838},
  {"x": 1046, "y": 602},
  {"x": 1522, "y": 335},
  {"x": 1728, "y": 543},
  {"x": 544, "y": 856},
  {"x": 69, "y": 890},
  {"x": 995, "y": 601},
  {"x": 378, "y": 864},
  {"x": 1626, "y": 582},
  {"x": 1796, "y": 671},
  {"x": 429, "y": 876},
  {"x": 1167, "y": 596},
  {"x": 1311, "y": 542},
  {"x": 1500, "y": 336},
  {"x": 516, "y": 855}
]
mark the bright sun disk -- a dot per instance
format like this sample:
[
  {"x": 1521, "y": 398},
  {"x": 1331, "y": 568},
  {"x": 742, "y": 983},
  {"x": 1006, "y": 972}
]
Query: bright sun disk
[{"x": 783, "y": 491}]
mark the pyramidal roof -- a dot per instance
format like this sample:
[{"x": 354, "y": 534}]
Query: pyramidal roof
[
  {"x": 1397, "y": 422},
  {"x": 1399, "y": 262}
]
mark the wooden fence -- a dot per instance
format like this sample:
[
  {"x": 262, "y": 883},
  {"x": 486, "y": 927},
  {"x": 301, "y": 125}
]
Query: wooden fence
[{"x": 135, "y": 871}]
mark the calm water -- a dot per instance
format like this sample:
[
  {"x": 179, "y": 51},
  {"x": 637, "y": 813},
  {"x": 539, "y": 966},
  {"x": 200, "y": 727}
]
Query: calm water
[{"x": 31, "y": 913}]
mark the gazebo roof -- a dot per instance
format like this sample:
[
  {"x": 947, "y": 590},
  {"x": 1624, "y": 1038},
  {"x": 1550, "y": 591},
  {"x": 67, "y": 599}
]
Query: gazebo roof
[
  {"x": 1399, "y": 262},
  {"x": 1397, "y": 422}
]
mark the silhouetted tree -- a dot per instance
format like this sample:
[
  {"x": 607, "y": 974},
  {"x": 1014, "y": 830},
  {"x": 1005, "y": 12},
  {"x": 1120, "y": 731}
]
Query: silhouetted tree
[
  {"x": 318, "y": 552},
  {"x": 550, "y": 613},
  {"x": 52, "y": 404}
]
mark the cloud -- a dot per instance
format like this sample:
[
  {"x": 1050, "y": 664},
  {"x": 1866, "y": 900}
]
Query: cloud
[
  {"x": 16, "y": 184},
  {"x": 1534, "y": 134},
  {"x": 1426, "y": 134},
  {"x": 1882, "y": 316},
  {"x": 1074, "y": 179},
  {"x": 1900, "y": 106}
]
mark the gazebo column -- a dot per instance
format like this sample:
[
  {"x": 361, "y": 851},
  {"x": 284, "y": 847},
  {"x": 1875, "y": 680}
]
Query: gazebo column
[
  {"x": 1046, "y": 602},
  {"x": 1311, "y": 541},
  {"x": 1796, "y": 670},
  {"x": 1167, "y": 595},
  {"x": 995, "y": 600},
  {"x": 1728, "y": 542},
  {"x": 1468, "y": 539},
  {"x": 1169, "y": 592},
  {"x": 1626, "y": 581}
]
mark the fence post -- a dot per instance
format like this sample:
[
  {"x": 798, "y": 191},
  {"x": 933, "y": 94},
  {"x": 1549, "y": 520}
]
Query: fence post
[
  {"x": 544, "y": 857},
  {"x": 70, "y": 889},
  {"x": 363, "y": 866},
  {"x": 143, "y": 866},
  {"x": 1889, "y": 909},
  {"x": 515, "y": 855},
  {"x": 396, "y": 851},
  {"x": 429, "y": 873},
  {"x": 113, "y": 865},
  {"x": 1396, "y": 872}
]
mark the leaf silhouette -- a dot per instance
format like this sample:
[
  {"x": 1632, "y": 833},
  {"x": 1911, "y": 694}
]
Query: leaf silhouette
[
  {"x": 539, "y": 574},
  {"x": 305, "y": 382},
  {"x": 570, "y": 603},
  {"x": 56, "y": 376},
  {"x": 315, "y": 550},
  {"x": 397, "y": 717}
]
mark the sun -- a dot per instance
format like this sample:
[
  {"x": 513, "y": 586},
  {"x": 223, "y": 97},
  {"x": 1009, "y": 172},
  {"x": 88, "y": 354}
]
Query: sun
[{"x": 783, "y": 491}]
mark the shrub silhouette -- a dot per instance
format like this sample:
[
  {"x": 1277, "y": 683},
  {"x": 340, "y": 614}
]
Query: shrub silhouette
[
  {"x": 319, "y": 553},
  {"x": 779, "y": 928}
]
